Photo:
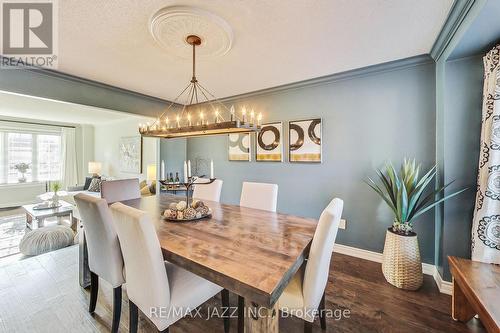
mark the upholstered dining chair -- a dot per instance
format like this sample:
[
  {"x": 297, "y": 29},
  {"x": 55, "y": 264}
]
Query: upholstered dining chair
[
  {"x": 304, "y": 296},
  {"x": 120, "y": 190},
  {"x": 209, "y": 192},
  {"x": 104, "y": 253},
  {"x": 162, "y": 291},
  {"x": 259, "y": 196}
]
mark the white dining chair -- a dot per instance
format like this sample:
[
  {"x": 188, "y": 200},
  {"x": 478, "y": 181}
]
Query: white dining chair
[
  {"x": 104, "y": 253},
  {"x": 259, "y": 196},
  {"x": 304, "y": 297},
  {"x": 120, "y": 190},
  {"x": 162, "y": 291},
  {"x": 209, "y": 192}
]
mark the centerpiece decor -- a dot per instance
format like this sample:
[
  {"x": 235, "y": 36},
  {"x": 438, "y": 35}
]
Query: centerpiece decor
[
  {"x": 22, "y": 168},
  {"x": 190, "y": 209},
  {"x": 55, "y": 187},
  {"x": 218, "y": 119},
  {"x": 404, "y": 194}
]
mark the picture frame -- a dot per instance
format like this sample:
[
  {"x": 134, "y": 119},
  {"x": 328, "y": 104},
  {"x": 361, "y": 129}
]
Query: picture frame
[
  {"x": 239, "y": 147},
  {"x": 269, "y": 143},
  {"x": 304, "y": 141},
  {"x": 130, "y": 148}
]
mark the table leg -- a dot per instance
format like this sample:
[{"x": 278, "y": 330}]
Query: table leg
[
  {"x": 83, "y": 259},
  {"x": 29, "y": 221},
  {"x": 40, "y": 222},
  {"x": 260, "y": 319},
  {"x": 461, "y": 309}
]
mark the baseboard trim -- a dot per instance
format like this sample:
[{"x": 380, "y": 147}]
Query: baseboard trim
[{"x": 444, "y": 287}]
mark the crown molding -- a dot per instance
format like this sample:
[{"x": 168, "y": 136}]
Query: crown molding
[
  {"x": 460, "y": 17},
  {"x": 346, "y": 75},
  {"x": 73, "y": 78},
  {"x": 328, "y": 79}
]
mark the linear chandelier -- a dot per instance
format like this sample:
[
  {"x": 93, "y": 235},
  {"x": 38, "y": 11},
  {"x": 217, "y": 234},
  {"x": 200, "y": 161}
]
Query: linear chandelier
[{"x": 193, "y": 119}]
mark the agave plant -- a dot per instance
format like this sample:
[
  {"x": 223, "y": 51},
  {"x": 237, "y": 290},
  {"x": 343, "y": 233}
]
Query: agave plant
[{"x": 403, "y": 193}]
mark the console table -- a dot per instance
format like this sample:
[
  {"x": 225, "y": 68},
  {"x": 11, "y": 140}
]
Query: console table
[{"x": 476, "y": 290}]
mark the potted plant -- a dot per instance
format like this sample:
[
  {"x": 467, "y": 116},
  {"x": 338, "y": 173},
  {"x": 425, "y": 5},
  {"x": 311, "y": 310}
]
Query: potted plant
[
  {"x": 22, "y": 168},
  {"x": 404, "y": 194},
  {"x": 55, "y": 187}
]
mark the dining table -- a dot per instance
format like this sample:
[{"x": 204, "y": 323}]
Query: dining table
[{"x": 250, "y": 252}]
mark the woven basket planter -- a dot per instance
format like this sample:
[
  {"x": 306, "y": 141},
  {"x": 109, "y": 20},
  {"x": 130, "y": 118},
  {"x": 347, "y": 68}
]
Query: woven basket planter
[{"x": 401, "y": 262}]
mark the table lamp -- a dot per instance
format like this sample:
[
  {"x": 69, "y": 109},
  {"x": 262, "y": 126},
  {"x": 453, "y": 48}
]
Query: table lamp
[
  {"x": 151, "y": 173},
  {"x": 95, "y": 168}
]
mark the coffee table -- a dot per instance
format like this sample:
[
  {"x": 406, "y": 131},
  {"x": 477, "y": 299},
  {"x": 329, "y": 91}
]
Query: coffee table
[{"x": 39, "y": 215}]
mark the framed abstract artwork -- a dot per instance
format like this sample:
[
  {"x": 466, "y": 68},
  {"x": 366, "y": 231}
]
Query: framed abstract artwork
[
  {"x": 131, "y": 154},
  {"x": 239, "y": 147},
  {"x": 305, "y": 141},
  {"x": 269, "y": 143}
]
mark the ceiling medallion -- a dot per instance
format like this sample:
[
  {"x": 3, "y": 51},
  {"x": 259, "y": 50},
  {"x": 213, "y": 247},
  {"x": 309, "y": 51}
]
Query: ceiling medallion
[
  {"x": 170, "y": 26},
  {"x": 218, "y": 119}
]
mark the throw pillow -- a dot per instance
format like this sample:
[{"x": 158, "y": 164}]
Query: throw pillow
[
  {"x": 95, "y": 185},
  {"x": 88, "y": 180}
]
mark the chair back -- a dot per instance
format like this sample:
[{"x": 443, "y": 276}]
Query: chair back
[
  {"x": 209, "y": 192},
  {"x": 120, "y": 190},
  {"x": 320, "y": 254},
  {"x": 259, "y": 196},
  {"x": 147, "y": 281},
  {"x": 105, "y": 255}
]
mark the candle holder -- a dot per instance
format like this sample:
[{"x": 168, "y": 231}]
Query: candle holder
[{"x": 191, "y": 181}]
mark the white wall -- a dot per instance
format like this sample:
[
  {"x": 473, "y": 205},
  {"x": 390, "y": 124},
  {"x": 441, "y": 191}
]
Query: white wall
[{"x": 106, "y": 146}]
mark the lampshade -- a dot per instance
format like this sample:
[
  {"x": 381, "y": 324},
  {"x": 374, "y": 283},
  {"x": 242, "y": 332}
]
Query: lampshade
[
  {"x": 95, "y": 167},
  {"x": 151, "y": 172}
]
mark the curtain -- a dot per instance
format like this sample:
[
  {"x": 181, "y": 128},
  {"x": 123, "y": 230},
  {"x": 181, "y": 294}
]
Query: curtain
[
  {"x": 69, "y": 170},
  {"x": 486, "y": 223}
]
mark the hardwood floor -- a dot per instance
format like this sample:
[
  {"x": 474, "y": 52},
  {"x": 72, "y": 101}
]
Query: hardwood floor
[{"x": 41, "y": 294}]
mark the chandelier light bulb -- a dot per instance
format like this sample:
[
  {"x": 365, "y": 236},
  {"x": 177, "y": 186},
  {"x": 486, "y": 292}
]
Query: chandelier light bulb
[
  {"x": 243, "y": 114},
  {"x": 231, "y": 111},
  {"x": 216, "y": 115},
  {"x": 189, "y": 119}
]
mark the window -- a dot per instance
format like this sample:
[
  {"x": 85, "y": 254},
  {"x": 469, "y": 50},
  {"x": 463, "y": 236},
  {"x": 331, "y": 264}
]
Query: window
[{"x": 41, "y": 151}]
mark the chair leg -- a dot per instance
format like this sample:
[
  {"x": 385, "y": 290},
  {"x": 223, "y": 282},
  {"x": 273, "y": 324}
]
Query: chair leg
[
  {"x": 322, "y": 317},
  {"x": 225, "y": 308},
  {"x": 241, "y": 314},
  {"x": 133, "y": 317},
  {"x": 94, "y": 288},
  {"x": 308, "y": 327},
  {"x": 117, "y": 308}
]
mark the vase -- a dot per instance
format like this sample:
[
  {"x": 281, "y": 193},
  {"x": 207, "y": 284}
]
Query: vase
[
  {"x": 55, "y": 199},
  {"x": 22, "y": 179},
  {"x": 401, "y": 263}
]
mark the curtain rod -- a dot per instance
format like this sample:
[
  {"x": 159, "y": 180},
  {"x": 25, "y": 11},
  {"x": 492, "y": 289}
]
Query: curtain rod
[{"x": 33, "y": 123}]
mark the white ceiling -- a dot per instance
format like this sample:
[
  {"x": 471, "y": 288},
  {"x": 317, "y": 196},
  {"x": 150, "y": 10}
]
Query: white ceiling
[
  {"x": 45, "y": 110},
  {"x": 275, "y": 41}
]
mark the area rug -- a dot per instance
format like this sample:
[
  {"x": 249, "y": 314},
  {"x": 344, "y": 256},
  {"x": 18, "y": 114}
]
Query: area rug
[{"x": 12, "y": 228}]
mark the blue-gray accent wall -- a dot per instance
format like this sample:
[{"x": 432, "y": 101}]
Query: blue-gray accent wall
[
  {"x": 367, "y": 120},
  {"x": 462, "y": 130}
]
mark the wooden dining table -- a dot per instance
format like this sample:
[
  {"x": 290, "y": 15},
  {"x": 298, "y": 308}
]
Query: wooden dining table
[{"x": 252, "y": 253}]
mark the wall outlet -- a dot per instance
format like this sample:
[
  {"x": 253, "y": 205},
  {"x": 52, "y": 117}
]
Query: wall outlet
[{"x": 342, "y": 224}]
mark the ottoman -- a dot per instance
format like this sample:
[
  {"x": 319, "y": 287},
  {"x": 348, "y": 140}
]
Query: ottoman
[{"x": 46, "y": 239}]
